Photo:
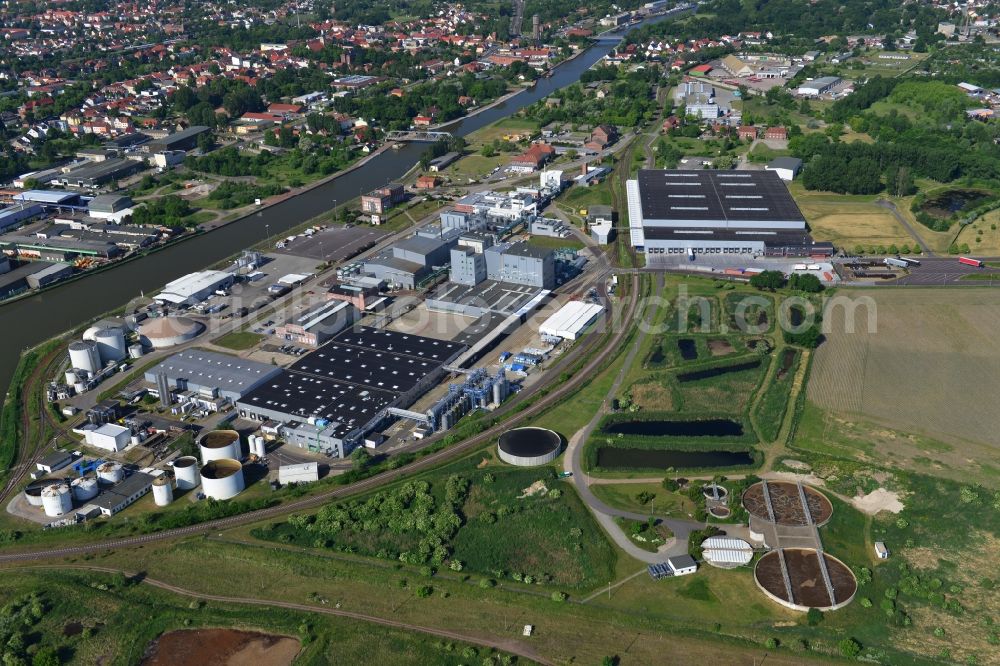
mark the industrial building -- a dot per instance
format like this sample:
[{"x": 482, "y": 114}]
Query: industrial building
[
  {"x": 818, "y": 86},
  {"x": 195, "y": 287},
  {"x": 571, "y": 320},
  {"x": 121, "y": 495},
  {"x": 318, "y": 324},
  {"x": 331, "y": 398},
  {"x": 98, "y": 174},
  {"x": 183, "y": 140},
  {"x": 212, "y": 374},
  {"x": 19, "y": 214},
  {"x": 787, "y": 168},
  {"x": 31, "y": 275},
  {"x": 521, "y": 263},
  {"x": 59, "y": 248},
  {"x": 109, "y": 206},
  {"x": 301, "y": 473},
  {"x": 109, "y": 437},
  {"x": 409, "y": 262},
  {"x": 677, "y": 213},
  {"x": 698, "y": 99},
  {"x": 488, "y": 296}
]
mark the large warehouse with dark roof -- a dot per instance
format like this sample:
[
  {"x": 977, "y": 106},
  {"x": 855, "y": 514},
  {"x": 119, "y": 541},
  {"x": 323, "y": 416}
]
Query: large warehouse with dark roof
[
  {"x": 710, "y": 212},
  {"x": 332, "y": 397}
]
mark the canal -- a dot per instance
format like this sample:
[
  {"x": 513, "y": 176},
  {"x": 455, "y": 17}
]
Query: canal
[{"x": 33, "y": 320}]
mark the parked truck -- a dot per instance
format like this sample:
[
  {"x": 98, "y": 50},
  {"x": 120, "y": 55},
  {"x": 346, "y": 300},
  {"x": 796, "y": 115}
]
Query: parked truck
[
  {"x": 898, "y": 263},
  {"x": 968, "y": 261}
]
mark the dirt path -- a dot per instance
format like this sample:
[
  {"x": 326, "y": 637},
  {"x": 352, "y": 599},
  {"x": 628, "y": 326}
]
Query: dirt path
[
  {"x": 506, "y": 645},
  {"x": 891, "y": 207}
]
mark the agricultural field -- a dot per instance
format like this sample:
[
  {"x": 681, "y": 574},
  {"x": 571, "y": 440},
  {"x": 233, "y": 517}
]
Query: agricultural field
[
  {"x": 920, "y": 386},
  {"x": 983, "y": 235}
]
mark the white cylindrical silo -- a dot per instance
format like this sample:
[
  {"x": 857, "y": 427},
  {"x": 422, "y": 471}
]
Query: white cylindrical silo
[
  {"x": 257, "y": 446},
  {"x": 79, "y": 387},
  {"x": 220, "y": 444},
  {"x": 163, "y": 490},
  {"x": 84, "y": 488},
  {"x": 56, "y": 500},
  {"x": 222, "y": 479},
  {"x": 84, "y": 355},
  {"x": 186, "y": 472},
  {"x": 110, "y": 344},
  {"x": 71, "y": 378},
  {"x": 110, "y": 472},
  {"x": 135, "y": 351}
]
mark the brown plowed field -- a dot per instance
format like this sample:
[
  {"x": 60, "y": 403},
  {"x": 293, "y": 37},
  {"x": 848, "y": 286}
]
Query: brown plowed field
[
  {"x": 221, "y": 647},
  {"x": 931, "y": 367}
]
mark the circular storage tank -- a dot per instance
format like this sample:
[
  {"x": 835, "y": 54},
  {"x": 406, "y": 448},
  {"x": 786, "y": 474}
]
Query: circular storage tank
[
  {"x": 90, "y": 332},
  {"x": 528, "y": 447},
  {"x": 219, "y": 444},
  {"x": 110, "y": 472},
  {"x": 163, "y": 332},
  {"x": 222, "y": 479},
  {"x": 71, "y": 378},
  {"x": 136, "y": 351},
  {"x": 786, "y": 503},
  {"x": 33, "y": 491},
  {"x": 163, "y": 490},
  {"x": 110, "y": 344},
  {"x": 84, "y": 488},
  {"x": 805, "y": 578},
  {"x": 84, "y": 355},
  {"x": 186, "y": 472},
  {"x": 56, "y": 500}
]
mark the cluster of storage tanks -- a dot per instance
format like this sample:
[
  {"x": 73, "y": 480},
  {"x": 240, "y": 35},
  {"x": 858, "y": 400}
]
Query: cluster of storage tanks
[
  {"x": 221, "y": 474},
  {"x": 57, "y": 496},
  {"x": 258, "y": 447},
  {"x": 99, "y": 347}
]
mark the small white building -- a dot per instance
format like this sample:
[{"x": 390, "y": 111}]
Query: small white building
[
  {"x": 817, "y": 87},
  {"x": 881, "y": 551},
  {"x": 571, "y": 320},
  {"x": 110, "y": 437},
  {"x": 682, "y": 565},
  {"x": 786, "y": 167},
  {"x": 303, "y": 473}
]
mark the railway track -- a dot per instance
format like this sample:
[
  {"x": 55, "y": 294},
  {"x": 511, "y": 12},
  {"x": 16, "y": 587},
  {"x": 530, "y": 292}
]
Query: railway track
[
  {"x": 26, "y": 457},
  {"x": 610, "y": 339}
]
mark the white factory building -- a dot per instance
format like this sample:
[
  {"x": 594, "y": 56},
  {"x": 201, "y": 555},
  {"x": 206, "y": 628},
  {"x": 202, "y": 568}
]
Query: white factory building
[
  {"x": 109, "y": 437},
  {"x": 571, "y": 320},
  {"x": 194, "y": 288}
]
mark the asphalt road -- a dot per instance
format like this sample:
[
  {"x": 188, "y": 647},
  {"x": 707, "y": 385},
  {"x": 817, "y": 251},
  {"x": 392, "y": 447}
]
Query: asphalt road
[{"x": 939, "y": 271}]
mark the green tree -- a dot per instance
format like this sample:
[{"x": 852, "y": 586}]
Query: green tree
[{"x": 850, "y": 648}]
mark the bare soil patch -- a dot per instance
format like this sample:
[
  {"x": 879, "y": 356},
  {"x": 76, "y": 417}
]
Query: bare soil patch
[
  {"x": 221, "y": 647},
  {"x": 877, "y": 500},
  {"x": 720, "y": 347}
]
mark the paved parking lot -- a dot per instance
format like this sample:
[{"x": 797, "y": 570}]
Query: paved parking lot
[
  {"x": 936, "y": 271},
  {"x": 333, "y": 244}
]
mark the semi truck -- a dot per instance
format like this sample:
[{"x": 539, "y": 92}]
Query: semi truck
[
  {"x": 968, "y": 261},
  {"x": 898, "y": 263}
]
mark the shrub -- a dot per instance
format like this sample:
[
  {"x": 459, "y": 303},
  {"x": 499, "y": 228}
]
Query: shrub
[
  {"x": 850, "y": 648},
  {"x": 486, "y": 583},
  {"x": 558, "y": 596}
]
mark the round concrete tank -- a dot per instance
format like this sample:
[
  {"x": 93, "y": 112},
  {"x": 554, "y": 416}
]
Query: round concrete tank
[
  {"x": 110, "y": 344},
  {"x": 80, "y": 387},
  {"x": 163, "y": 490},
  {"x": 186, "y": 472},
  {"x": 56, "y": 500},
  {"x": 71, "y": 378},
  {"x": 110, "y": 473},
  {"x": 85, "y": 356},
  {"x": 222, "y": 478},
  {"x": 219, "y": 444},
  {"x": 33, "y": 491},
  {"x": 84, "y": 488},
  {"x": 163, "y": 332},
  {"x": 135, "y": 351},
  {"x": 528, "y": 447}
]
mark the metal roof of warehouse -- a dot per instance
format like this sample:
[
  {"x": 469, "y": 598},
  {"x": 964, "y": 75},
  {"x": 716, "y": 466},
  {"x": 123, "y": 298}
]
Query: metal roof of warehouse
[
  {"x": 399, "y": 343},
  {"x": 304, "y": 395},
  {"x": 205, "y": 368},
  {"x": 373, "y": 368},
  {"x": 731, "y": 196}
]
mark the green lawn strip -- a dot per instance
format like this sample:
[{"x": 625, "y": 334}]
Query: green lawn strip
[{"x": 238, "y": 340}]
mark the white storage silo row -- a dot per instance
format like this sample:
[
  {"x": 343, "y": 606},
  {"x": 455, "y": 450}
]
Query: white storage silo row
[
  {"x": 57, "y": 500},
  {"x": 258, "y": 447}
]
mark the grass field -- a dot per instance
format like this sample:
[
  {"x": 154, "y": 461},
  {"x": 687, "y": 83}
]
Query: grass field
[
  {"x": 849, "y": 222},
  {"x": 239, "y": 340},
  {"x": 625, "y": 496},
  {"x": 987, "y": 230},
  {"x": 927, "y": 374},
  {"x": 90, "y": 618}
]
